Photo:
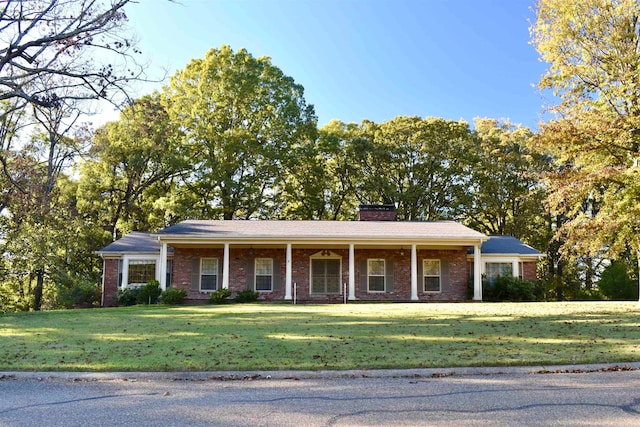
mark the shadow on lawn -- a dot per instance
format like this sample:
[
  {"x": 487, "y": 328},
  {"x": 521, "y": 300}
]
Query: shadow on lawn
[{"x": 250, "y": 337}]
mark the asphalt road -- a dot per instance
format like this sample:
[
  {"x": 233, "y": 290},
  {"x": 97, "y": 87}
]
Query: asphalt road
[{"x": 517, "y": 398}]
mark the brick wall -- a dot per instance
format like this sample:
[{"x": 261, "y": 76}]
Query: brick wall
[
  {"x": 183, "y": 262},
  {"x": 529, "y": 271},
  {"x": 110, "y": 282}
]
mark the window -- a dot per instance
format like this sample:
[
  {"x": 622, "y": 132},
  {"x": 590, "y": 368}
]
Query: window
[
  {"x": 325, "y": 276},
  {"x": 493, "y": 270},
  {"x": 375, "y": 273},
  {"x": 208, "y": 274},
  {"x": 141, "y": 272},
  {"x": 431, "y": 275},
  {"x": 264, "y": 274}
]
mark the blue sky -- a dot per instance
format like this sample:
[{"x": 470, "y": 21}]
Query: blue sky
[{"x": 366, "y": 59}]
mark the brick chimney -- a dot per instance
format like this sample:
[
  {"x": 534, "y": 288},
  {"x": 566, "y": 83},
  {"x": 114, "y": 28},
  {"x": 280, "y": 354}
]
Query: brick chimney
[{"x": 377, "y": 212}]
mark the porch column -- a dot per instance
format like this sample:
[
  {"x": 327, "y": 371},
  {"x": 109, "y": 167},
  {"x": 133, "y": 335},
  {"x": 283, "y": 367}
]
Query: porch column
[
  {"x": 125, "y": 272},
  {"x": 477, "y": 273},
  {"x": 515, "y": 268},
  {"x": 352, "y": 272},
  {"x": 163, "y": 266},
  {"x": 225, "y": 267},
  {"x": 414, "y": 273},
  {"x": 287, "y": 283}
]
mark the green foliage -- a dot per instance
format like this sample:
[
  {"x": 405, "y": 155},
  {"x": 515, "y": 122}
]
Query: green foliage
[
  {"x": 149, "y": 293},
  {"x": 128, "y": 296},
  {"x": 508, "y": 288},
  {"x": 617, "y": 284},
  {"x": 173, "y": 296},
  {"x": 242, "y": 118},
  {"x": 220, "y": 296},
  {"x": 591, "y": 48},
  {"x": 82, "y": 294},
  {"x": 247, "y": 296}
]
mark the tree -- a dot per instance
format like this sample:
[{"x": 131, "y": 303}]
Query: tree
[
  {"x": 55, "y": 50},
  {"x": 412, "y": 162},
  {"x": 320, "y": 179},
  {"x": 593, "y": 51},
  {"x": 132, "y": 174},
  {"x": 504, "y": 195},
  {"x": 242, "y": 118}
]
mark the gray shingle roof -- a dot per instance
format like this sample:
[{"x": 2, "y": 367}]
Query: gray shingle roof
[
  {"x": 507, "y": 245},
  {"x": 383, "y": 230},
  {"x": 134, "y": 242}
]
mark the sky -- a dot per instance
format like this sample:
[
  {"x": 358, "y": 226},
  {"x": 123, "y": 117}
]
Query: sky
[{"x": 365, "y": 59}]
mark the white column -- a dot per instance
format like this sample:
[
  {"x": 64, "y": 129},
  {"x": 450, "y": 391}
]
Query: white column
[
  {"x": 515, "y": 268},
  {"x": 163, "y": 266},
  {"x": 477, "y": 273},
  {"x": 125, "y": 272},
  {"x": 225, "y": 267},
  {"x": 414, "y": 273},
  {"x": 352, "y": 272},
  {"x": 287, "y": 283}
]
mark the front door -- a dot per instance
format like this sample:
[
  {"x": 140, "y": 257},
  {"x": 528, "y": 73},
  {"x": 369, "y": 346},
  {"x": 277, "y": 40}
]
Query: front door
[{"x": 325, "y": 276}]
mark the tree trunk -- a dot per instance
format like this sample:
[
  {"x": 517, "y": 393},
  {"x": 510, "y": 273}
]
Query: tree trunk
[{"x": 37, "y": 291}]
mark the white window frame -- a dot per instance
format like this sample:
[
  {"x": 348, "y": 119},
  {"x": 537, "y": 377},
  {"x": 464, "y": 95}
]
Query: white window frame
[
  {"x": 383, "y": 275},
  {"x": 321, "y": 256},
  {"x": 217, "y": 274},
  {"x": 125, "y": 268},
  {"x": 501, "y": 260},
  {"x": 256, "y": 275},
  {"x": 425, "y": 276}
]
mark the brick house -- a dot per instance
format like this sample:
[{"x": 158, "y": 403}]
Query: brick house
[{"x": 374, "y": 259}]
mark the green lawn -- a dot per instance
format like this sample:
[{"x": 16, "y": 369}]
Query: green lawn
[{"x": 309, "y": 337}]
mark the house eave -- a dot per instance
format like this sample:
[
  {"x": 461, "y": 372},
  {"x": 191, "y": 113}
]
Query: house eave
[{"x": 320, "y": 240}]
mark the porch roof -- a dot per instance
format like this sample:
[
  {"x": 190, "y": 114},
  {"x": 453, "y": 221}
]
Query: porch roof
[{"x": 445, "y": 232}]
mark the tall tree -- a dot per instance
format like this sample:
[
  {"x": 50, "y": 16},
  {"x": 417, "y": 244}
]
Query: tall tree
[
  {"x": 504, "y": 195},
  {"x": 593, "y": 51},
  {"x": 130, "y": 179},
  {"x": 320, "y": 179},
  {"x": 77, "y": 47},
  {"x": 242, "y": 118},
  {"x": 413, "y": 162}
]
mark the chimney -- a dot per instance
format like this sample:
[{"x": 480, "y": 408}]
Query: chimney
[{"x": 377, "y": 212}]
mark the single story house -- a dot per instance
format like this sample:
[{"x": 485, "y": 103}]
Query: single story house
[{"x": 373, "y": 259}]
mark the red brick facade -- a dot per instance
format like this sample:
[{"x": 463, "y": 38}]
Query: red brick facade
[
  {"x": 453, "y": 276},
  {"x": 529, "y": 270},
  {"x": 455, "y": 273},
  {"x": 110, "y": 285}
]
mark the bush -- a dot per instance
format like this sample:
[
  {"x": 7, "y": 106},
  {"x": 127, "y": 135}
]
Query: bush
[
  {"x": 128, "y": 296},
  {"x": 149, "y": 293},
  {"x": 508, "y": 288},
  {"x": 617, "y": 283},
  {"x": 173, "y": 296},
  {"x": 247, "y": 296},
  {"x": 80, "y": 294},
  {"x": 220, "y": 296}
]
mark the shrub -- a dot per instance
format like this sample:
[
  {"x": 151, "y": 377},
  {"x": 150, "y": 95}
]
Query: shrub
[
  {"x": 149, "y": 293},
  {"x": 247, "y": 296},
  {"x": 128, "y": 296},
  {"x": 617, "y": 283},
  {"x": 80, "y": 294},
  {"x": 220, "y": 296},
  {"x": 173, "y": 296},
  {"x": 508, "y": 288}
]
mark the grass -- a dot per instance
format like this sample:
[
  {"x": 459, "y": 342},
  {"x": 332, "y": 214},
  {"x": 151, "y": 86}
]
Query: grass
[{"x": 311, "y": 337}]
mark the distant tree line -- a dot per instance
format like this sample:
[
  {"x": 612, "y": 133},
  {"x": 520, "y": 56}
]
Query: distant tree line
[{"x": 232, "y": 137}]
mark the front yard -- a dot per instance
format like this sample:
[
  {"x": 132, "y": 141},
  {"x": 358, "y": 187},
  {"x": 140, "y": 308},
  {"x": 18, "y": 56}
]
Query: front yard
[{"x": 310, "y": 337}]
